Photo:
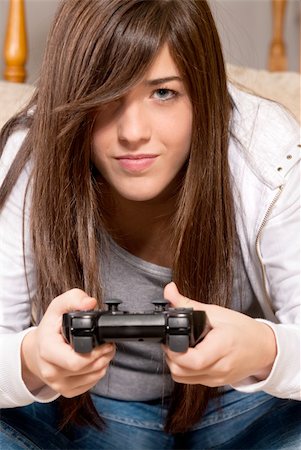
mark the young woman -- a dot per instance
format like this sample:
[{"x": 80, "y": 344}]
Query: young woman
[{"x": 137, "y": 172}]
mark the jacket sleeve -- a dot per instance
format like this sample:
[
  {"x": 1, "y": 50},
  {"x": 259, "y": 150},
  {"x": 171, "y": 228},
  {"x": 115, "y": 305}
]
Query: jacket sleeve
[
  {"x": 280, "y": 255},
  {"x": 16, "y": 289}
]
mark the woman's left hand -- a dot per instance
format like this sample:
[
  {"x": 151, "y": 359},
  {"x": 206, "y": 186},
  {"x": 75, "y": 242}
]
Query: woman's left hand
[{"x": 237, "y": 347}]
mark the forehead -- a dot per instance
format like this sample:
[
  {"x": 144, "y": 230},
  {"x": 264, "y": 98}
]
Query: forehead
[{"x": 163, "y": 65}]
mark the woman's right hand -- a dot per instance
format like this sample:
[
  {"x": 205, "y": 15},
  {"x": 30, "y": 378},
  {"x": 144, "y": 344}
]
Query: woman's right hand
[{"x": 48, "y": 360}]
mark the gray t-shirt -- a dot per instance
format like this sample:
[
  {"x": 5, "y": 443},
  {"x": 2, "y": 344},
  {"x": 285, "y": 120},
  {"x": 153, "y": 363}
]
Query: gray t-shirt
[{"x": 138, "y": 372}]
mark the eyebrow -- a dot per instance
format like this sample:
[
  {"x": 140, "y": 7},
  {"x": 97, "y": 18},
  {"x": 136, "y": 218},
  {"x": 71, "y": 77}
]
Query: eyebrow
[{"x": 157, "y": 81}]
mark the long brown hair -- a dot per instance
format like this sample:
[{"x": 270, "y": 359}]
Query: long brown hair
[{"x": 96, "y": 51}]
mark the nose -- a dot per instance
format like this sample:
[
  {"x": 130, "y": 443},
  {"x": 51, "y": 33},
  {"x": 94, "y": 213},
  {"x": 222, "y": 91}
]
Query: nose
[{"x": 134, "y": 127}]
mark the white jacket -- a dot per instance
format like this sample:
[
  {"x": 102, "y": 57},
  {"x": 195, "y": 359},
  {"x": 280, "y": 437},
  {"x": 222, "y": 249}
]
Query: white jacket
[{"x": 265, "y": 167}]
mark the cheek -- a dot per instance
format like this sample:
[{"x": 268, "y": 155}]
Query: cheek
[
  {"x": 99, "y": 148},
  {"x": 102, "y": 134},
  {"x": 176, "y": 135},
  {"x": 185, "y": 130},
  {"x": 96, "y": 154},
  {"x": 99, "y": 161}
]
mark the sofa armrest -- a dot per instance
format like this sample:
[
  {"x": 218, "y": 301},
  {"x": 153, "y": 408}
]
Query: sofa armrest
[{"x": 13, "y": 97}]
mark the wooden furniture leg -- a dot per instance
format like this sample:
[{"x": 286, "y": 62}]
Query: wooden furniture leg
[
  {"x": 277, "y": 54},
  {"x": 15, "y": 46}
]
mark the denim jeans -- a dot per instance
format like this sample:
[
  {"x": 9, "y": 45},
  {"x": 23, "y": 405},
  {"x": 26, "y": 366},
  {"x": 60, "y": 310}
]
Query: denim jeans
[{"x": 239, "y": 421}]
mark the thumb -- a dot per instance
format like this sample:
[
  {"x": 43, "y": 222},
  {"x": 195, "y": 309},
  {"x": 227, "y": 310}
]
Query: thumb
[
  {"x": 177, "y": 300},
  {"x": 73, "y": 300}
]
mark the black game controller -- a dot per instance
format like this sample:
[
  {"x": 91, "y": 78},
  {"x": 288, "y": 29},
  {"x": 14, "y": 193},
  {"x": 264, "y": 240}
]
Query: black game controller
[{"x": 178, "y": 328}]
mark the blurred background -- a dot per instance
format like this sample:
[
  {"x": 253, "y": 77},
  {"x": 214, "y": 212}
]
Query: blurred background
[{"x": 245, "y": 28}]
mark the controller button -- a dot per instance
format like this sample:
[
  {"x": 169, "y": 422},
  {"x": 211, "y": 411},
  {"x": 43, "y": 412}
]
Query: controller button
[
  {"x": 186, "y": 310},
  {"x": 178, "y": 343},
  {"x": 178, "y": 322},
  {"x": 81, "y": 322},
  {"x": 160, "y": 305},
  {"x": 113, "y": 304},
  {"x": 83, "y": 344}
]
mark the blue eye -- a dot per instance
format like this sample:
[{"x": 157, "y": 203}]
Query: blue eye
[{"x": 164, "y": 94}]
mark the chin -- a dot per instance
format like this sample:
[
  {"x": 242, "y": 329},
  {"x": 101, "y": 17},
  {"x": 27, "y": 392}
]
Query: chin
[
  {"x": 141, "y": 191},
  {"x": 145, "y": 190},
  {"x": 138, "y": 196}
]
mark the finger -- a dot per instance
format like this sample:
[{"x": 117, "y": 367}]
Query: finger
[
  {"x": 172, "y": 294},
  {"x": 61, "y": 305},
  {"x": 201, "y": 380},
  {"x": 177, "y": 300},
  {"x": 54, "y": 375},
  {"x": 204, "y": 355},
  {"x": 77, "y": 385},
  {"x": 184, "y": 364},
  {"x": 212, "y": 377},
  {"x": 96, "y": 365},
  {"x": 73, "y": 300},
  {"x": 78, "y": 391},
  {"x": 62, "y": 355}
]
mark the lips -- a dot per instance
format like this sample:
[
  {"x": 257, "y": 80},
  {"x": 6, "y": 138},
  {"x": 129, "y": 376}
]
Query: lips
[{"x": 136, "y": 163}]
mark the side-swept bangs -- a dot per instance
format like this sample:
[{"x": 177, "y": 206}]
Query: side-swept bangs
[{"x": 103, "y": 52}]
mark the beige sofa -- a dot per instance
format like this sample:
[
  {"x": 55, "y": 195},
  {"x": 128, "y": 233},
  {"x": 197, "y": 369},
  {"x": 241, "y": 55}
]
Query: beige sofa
[{"x": 283, "y": 87}]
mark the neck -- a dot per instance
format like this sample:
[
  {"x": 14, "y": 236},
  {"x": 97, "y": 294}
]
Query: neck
[{"x": 143, "y": 228}]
